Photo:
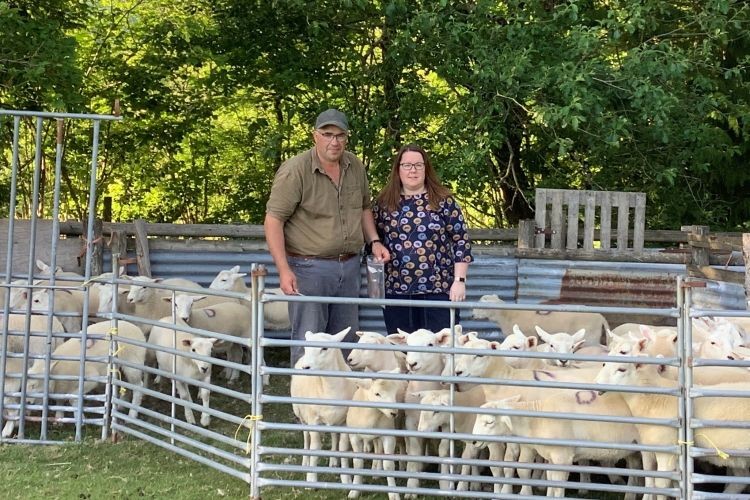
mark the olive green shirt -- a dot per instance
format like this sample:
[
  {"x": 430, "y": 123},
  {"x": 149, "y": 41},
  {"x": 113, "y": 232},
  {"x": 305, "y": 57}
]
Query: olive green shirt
[{"x": 320, "y": 219}]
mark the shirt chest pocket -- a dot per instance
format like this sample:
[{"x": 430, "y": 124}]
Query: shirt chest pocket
[{"x": 351, "y": 197}]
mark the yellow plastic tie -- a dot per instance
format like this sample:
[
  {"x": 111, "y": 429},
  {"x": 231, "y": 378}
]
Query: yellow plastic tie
[
  {"x": 251, "y": 419},
  {"x": 722, "y": 454},
  {"x": 689, "y": 443}
]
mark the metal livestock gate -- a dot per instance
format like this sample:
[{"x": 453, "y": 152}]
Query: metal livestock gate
[{"x": 252, "y": 434}]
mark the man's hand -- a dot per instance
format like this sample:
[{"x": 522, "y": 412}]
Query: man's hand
[{"x": 288, "y": 282}]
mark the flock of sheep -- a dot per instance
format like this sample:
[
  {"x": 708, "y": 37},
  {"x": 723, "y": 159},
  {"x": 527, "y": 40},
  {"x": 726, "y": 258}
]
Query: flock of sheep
[
  {"x": 495, "y": 383},
  {"x": 226, "y": 322},
  {"x": 426, "y": 383}
]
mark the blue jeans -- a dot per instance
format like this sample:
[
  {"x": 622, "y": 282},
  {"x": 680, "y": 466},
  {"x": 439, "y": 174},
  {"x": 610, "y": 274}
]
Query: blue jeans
[
  {"x": 324, "y": 278},
  {"x": 410, "y": 319}
]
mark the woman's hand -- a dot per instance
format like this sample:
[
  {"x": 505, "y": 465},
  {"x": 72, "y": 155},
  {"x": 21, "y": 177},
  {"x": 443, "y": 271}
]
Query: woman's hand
[
  {"x": 458, "y": 291},
  {"x": 380, "y": 252}
]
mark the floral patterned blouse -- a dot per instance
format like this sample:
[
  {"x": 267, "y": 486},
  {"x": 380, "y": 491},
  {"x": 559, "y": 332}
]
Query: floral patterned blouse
[{"x": 424, "y": 245}]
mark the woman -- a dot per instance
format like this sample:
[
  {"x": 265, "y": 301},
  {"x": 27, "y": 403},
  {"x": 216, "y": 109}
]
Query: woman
[{"x": 423, "y": 228}]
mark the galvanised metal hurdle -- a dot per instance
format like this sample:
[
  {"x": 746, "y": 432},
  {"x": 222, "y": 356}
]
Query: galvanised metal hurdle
[{"x": 36, "y": 136}]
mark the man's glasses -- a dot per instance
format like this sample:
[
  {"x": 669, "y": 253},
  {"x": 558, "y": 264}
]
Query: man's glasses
[
  {"x": 330, "y": 136},
  {"x": 412, "y": 166}
]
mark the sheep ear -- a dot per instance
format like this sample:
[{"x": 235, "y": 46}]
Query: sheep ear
[
  {"x": 579, "y": 335},
  {"x": 462, "y": 339},
  {"x": 495, "y": 345},
  {"x": 308, "y": 335},
  {"x": 646, "y": 331},
  {"x": 235, "y": 269},
  {"x": 359, "y": 333},
  {"x": 168, "y": 298},
  {"x": 542, "y": 334},
  {"x": 443, "y": 337},
  {"x": 187, "y": 342},
  {"x": 532, "y": 342},
  {"x": 506, "y": 420},
  {"x": 364, "y": 383},
  {"x": 399, "y": 330},
  {"x": 517, "y": 329},
  {"x": 196, "y": 298},
  {"x": 340, "y": 335},
  {"x": 397, "y": 338}
]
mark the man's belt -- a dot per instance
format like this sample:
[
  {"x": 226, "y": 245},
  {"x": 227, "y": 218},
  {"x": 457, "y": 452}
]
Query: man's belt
[{"x": 342, "y": 257}]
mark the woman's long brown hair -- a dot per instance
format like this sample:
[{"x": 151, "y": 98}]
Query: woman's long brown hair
[{"x": 390, "y": 196}]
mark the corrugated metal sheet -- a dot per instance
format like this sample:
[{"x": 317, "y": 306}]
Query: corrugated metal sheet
[
  {"x": 524, "y": 280},
  {"x": 720, "y": 294},
  {"x": 598, "y": 283},
  {"x": 486, "y": 275}
]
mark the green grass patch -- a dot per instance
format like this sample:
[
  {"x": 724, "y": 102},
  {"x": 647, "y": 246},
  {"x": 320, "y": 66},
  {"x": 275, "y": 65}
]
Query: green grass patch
[{"x": 132, "y": 468}]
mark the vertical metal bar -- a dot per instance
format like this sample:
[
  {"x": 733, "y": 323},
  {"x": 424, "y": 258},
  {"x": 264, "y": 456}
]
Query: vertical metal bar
[
  {"x": 87, "y": 274},
  {"x": 256, "y": 284},
  {"x": 59, "y": 149},
  {"x": 108, "y": 389},
  {"x": 9, "y": 268},
  {"x": 687, "y": 380},
  {"x": 32, "y": 255},
  {"x": 451, "y": 415},
  {"x": 173, "y": 404}
]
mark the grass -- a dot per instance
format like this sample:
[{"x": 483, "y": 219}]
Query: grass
[{"x": 136, "y": 469}]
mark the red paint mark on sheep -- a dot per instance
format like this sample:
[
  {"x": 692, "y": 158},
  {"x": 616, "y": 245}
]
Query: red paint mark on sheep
[
  {"x": 585, "y": 397},
  {"x": 538, "y": 373}
]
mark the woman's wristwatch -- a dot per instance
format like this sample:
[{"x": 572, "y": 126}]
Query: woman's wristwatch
[{"x": 460, "y": 279}]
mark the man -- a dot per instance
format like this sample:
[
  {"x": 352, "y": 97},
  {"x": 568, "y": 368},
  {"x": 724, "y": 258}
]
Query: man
[{"x": 317, "y": 219}]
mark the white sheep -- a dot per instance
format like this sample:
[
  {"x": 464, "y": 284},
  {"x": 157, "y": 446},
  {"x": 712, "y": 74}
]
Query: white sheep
[
  {"x": 421, "y": 363},
  {"x": 594, "y": 323},
  {"x": 666, "y": 407},
  {"x": 303, "y": 386},
  {"x": 14, "y": 368},
  {"x": 371, "y": 360},
  {"x": 275, "y": 314},
  {"x": 380, "y": 391},
  {"x": 228, "y": 318},
  {"x": 38, "y": 330},
  {"x": 435, "y": 421},
  {"x": 559, "y": 343},
  {"x": 98, "y": 345},
  {"x": 66, "y": 302},
  {"x": 148, "y": 301},
  {"x": 583, "y": 402},
  {"x": 496, "y": 367},
  {"x": 106, "y": 297},
  {"x": 187, "y": 366},
  {"x": 702, "y": 375}
]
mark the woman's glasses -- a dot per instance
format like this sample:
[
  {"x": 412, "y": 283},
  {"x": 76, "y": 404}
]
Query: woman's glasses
[{"x": 412, "y": 166}]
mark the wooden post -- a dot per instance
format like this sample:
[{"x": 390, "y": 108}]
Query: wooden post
[
  {"x": 141, "y": 248},
  {"x": 526, "y": 233},
  {"x": 119, "y": 247},
  {"x": 97, "y": 255},
  {"x": 699, "y": 254},
  {"x": 107, "y": 209},
  {"x": 746, "y": 257}
]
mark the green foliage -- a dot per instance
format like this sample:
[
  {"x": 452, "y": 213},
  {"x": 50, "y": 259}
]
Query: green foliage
[{"x": 507, "y": 96}]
